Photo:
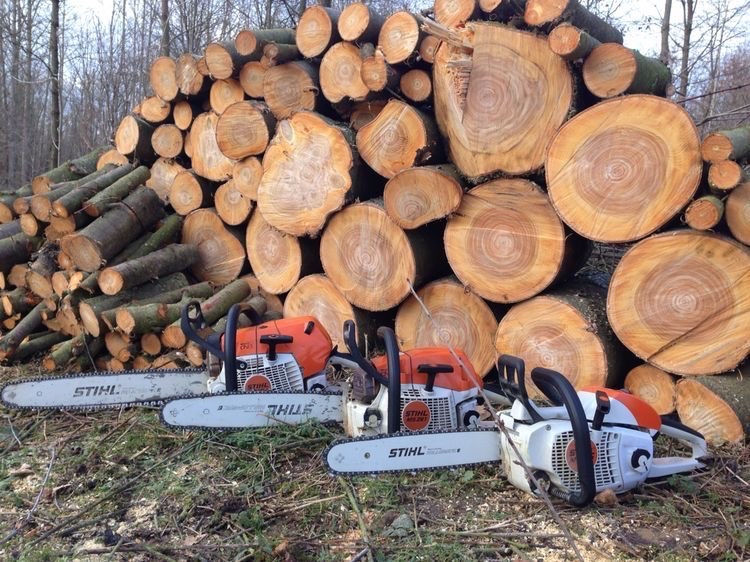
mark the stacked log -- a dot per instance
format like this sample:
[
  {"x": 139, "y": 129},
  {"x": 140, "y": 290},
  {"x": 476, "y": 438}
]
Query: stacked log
[{"x": 443, "y": 176}]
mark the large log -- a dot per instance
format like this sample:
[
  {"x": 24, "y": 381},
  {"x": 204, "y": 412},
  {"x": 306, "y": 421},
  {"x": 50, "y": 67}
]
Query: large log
[
  {"x": 208, "y": 160},
  {"x": 167, "y": 141},
  {"x": 565, "y": 330},
  {"x": 704, "y": 213},
  {"x": 317, "y": 30},
  {"x": 163, "y": 78},
  {"x": 360, "y": 23},
  {"x": 244, "y": 129},
  {"x": 457, "y": 318},
  {"x": 110, "y": 233},
  {"x": 416, "y": 196},
  {"x": 154, "y": 110},
  {"x": 654, "y": 386},
  {"x": 251, "y": 78},
  {"x": 737, "y": 212},
  {"x": 364, "y": 112},
  {"x": 98, "y": 204},
  {"x": 232, "y": 204},
  {"x": 399, "y": 38},
  {"x": 133, "y": 139},
  {"x": 506, "y": 243},
  {"x": 190, "y": 82},
  {"x": 170, "y": 259},
  {"x": 291, "y": 87},
  {"x": 570, "y": 42},
  {"x": 16, "y": 249},
  {"x": 611, "y": 70},
  {"x": 340, "y": 74},
  {"x": 278, "y": 259},
  {"x": 398, "y": 138},
  {"x": 315, "y": 295},
  {"x": 223, "y": 60},
  {"x": 163, "y": 173},
  {"x": 681, "y": 301},
  {"x": 631, "y": 162},
  {"x": 723, "y": 176},
  {"x": 224, "y": 93},
  {"x": 222, "y": 255},
  {"x": 309, "y": 171},
  {"x": 74, "y": 200},
  {"x": 92, "y": 309},
  {"x": 189, "y": 192},
  {"x": 730, "y": 144},
  {"x": 455, "y": 13},
  {"x": 717, "y": 406},
  {"x": 372, "y": 261},
  {"x": 547, "y": 13},
  {"x": 510, "y": 73}
]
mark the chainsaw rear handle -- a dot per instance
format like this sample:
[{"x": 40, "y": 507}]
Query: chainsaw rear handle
[
  {"x": 559, "y": 390},
  {"x": 192, "y": 320},
  {"x": 394, "y": 378}
]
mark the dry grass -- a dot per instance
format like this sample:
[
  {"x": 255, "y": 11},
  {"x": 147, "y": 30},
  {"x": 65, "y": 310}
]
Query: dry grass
[{"x": 122, "y": 487}]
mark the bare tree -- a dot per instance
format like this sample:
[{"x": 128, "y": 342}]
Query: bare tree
[{"x": 54, "y": 66}]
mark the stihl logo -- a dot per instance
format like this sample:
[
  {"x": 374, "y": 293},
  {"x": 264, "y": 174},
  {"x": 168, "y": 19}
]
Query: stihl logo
[
  {"x": 406, "y": 452},
  {"x": 415, "y": 415},
  {"x": 104, "y": 390},
  {"x": 290, "y": 409}
]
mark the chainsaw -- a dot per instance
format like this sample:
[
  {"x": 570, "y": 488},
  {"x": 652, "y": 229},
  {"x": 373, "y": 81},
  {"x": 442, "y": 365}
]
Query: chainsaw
[
  {"x": 290, "y": 354},
  {"x": 422, "y": 389},
  {"x": 538, "y": 446}
]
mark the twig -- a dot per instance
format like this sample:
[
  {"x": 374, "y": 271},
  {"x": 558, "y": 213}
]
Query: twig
[
  {"x": 26, "y": 520},
  {"x": 360, "y": 518},
  {"x": 711, "y": 93},
  {"x": 13, "y": 432},
  {"x": 360, "y": 555}
]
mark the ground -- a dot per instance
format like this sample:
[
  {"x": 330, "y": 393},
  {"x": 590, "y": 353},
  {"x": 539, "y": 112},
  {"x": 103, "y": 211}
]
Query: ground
[{"x": 117, "y": 485}]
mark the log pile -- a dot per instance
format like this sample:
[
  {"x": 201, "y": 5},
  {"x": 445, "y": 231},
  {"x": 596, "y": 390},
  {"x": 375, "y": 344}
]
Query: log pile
[{"x": 445, "y": 176}]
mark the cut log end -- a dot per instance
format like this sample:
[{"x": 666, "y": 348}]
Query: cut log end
[
  {"x": 244, "y": 129},
  {"x": 654, "y": 386},
  {"x": 231, "y": 204},
  {"x": 428, "y": 47},
  {"x": 738, "y": 213},
  {"x": 316, "y": 30},
  {"x": 251, "y": 78},
  {"x": 154, "y": 109},
  {"x": 225, "y": 93},
  {"x": 275, "y": 257},
  {"x": 290, "y": 87},
  {"x": 246, "y": 175},
  {"x": 167, "y": 141},
  {"x": 399, "y": 37},
  {"x": 163, "y": 78},
  {"x": 416, "y": 196},
  {"x": 221, "y": 254},
  {"x": 679, "y": 301},
  {"x": 611, "y": 70},
  {"x": 455, "y": 13},
  {"x": 340, "y": 74},
  {"x": 151, "y": 344},
  {"x": 416, "y": 85},
  {"x": 182, "y": 115},
  {"x": 354, "y": 21},
  {"x": 704, "y": 213},
  {"x": 708, "y": 412},
  {"x": 189, "y": 79},
  {"x": 188, "y": 193},
  {"x": 219, "y": 61},
  {"x": 725, "y": 175},
  {"x": 208, "y": 160}
]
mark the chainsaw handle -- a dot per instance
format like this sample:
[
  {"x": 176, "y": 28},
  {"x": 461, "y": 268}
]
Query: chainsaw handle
[
  {"x": 394, "y": 378},
  {"x": 558, "y": 389},
  {"x": 350, "y": 339},
  {"x": 230, "y": 342},
  {"x": 191, "y": 321}
]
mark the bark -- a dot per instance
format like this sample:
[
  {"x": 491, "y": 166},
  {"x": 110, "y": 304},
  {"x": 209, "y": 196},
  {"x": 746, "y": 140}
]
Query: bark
[
  {"x": 62, "y": 173},
  {"x": 74, "y": 199},
  {"x": 654, "y": 386},
  {"x": 571, "y": 43},
  {"x": 16, "y": 249},
  {"x": 133, "y": 139},
  {"x": 309, "y": 155},
  {"x": 10, "y": 229},
  {"x": 547, "y": 13},
  {"x": 91, "y": 309},
  {"x": 276, "y": 53},
  {"x": 222, "y": 255},
  {"x": 29, "y": 324},
  {"x": 62, "y": 354},
  {"x": 458, "y": 318},
  {"x": 652, "y": 185},
  {"x": 138, "y": 320},
  {"x": 678, "y": 300},
  {"x": 611, "y": 70},
  {"x": 738, "y": 213},
  {"x": 171, "y": 259},
  {"x": 372, "y": 261},
  {"x": 41, "y": 204},
  {"x": 110, "y": 233},
  {"x": 35, "y": 346},
  {"x": 565, "y": 330},
  {"x": 664, "y": 54},
  {"x": 87, "y": 164},
  {"x": 100, "y": 202},
  {"x": 54, "y": 70},
  {"x": 317, "y": 30},
  {"x": 165, "y": 32},
  {"x": 730, "y": 144}
]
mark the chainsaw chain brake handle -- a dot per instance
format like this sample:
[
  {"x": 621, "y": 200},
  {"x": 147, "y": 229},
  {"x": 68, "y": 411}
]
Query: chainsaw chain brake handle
[
  {"x": 560, "y": 392},
  {"x": 393, "y": 379},
  {"x": 511, "y": 383},
  {"x": 192, "y": 321}
]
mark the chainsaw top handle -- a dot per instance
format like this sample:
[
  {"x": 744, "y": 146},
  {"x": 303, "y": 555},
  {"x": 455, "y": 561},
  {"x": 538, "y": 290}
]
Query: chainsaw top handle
[
  {"x": 559, "y": 390},
  {"x": 192, "y": 320}
]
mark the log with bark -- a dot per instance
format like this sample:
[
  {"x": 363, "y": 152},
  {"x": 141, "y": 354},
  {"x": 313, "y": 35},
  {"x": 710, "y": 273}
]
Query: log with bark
[
  {"x": 565, "y": 330},
  {"x": 317, "y": 30},
  {"x": 222, "y": 255},
  {"x": 223, "y": 60},
  {"x": 506, "y": 68},
  {"x": 251, "y": 43},
  {"x": 372, "y": 261},
  {"x": 704, "y": 213},
  {"x": 359, "y": 23},
  {"x": 99, "y": 203},
  {"x": 189, "y": 192},
  {"x": 654, "y": 386},
  {"x": 30, "y": 323},
  {"x": 38, "y": 345},
  {"x": 632, "y": 162},
  {"x": 399, "y": 38},
  {"x": 75, "y": 198},
  {"x": 737, "y": 212},
  {"x": 377, "y": 75},
  {"x": 506, "y": 243},
  {"x": 277, "y": 53},
  {"x": 457, "y": 318},
  {"x": 41, "y": 204},
  {"x": 309, "y": 171},
  {"x": 111, "y": 157},
  {"x": 208, "y": 160},
  {"x": 725, "y": 175},
  {"x": 611, "y": 70},
  {"x": 39, "y": 275},
  {"x": 548, "y": 13},
  {"x": 398, "y": 138},
  {"x": 730, "y": 144},
  {"x": 291, "y": 87},
  {"x": 18, "y": 301},
  {"x": 10, "y": 228},
  {"x": 416, "y": 196},
  {"x": 570, "y": 42},
  {"x": 681, "y": 301},
  {"x": 340, "y": 74},
  {"x": 87, "y": 164},
  {"x": 62, "y": 173},
  {"x": 245, "y": 129},
  {"x": 163, "y": 78},
  {"x": 715, "y": 406},
  {"x": 133, "y": 139},
  {"x": 145, "y": 318},
  {"x": 110, "y": 233},
  {"x": 16, "y": 249}
]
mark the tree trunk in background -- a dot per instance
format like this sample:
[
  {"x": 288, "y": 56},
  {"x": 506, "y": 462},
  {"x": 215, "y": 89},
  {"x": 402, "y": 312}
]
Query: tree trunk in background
[
  {"x": 165, "y": 39},
  {"x": 664, "y": 54},
  {"x": 688, "y": 8},
  {"x": 54, "y": 69}
]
